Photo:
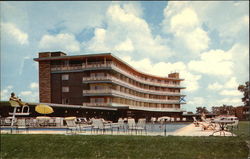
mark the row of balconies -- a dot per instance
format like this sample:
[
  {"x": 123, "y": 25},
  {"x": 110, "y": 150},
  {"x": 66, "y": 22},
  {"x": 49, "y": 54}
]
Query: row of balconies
[
  {"x": 128, "y": 96},
  {"x": 114, "y": 66},
  {"x": 128, "y": 85}
]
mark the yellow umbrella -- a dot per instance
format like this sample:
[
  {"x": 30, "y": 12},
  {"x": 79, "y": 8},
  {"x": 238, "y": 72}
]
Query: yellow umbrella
[
  {"x": 70, "y": 118},
  {"x": 44, "y": 109}
]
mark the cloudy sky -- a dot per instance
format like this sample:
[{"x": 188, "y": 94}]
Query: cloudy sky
[{"x": 207, "y": 42}]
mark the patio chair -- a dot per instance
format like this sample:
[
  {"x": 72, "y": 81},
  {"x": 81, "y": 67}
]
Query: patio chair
[
  {"x": 52, "y": 122},
  {"x": 30, "y": 123},
  {"x": 233, "y": 125},
  {"x": 58, "y": 122},
  {"x": 195, "y": 122},
  {"x": 141, "y": 125},
  {"x": 98, "y": 124},
  {"x": 71, "y": 125},
  {"x": 131, "y": 124},
  {"x": 42, "y": 121},
  {"x": 21, "y": 125},
  {"x": 8, "y": 120},
  {"x": 207, "y": 124},
  {"x": 119, "y": 125},
  {"x": 94, "y": 125}
]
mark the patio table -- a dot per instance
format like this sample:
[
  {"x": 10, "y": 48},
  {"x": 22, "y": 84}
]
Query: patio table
[{"x": 222, "y": 126}]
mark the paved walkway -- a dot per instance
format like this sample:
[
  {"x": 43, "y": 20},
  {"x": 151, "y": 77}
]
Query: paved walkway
[{"x": 191, "y": 130}]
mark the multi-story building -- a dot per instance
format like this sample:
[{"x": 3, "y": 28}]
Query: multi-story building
[{"x": 104, "y": 80}]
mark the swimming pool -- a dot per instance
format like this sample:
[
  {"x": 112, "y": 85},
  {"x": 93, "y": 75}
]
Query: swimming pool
[{"x": 157, "y": 129}]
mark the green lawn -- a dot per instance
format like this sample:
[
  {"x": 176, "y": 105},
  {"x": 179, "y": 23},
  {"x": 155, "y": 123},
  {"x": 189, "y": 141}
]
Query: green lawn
[
  {"x": 76, "y": 146},
  {"x": 243, "y": 130},
  {"x": 125, "y": 147}
]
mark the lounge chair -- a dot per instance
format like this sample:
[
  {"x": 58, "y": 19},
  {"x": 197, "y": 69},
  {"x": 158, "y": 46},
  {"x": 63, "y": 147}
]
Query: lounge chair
[
  {"x": 98, "y": 124},
  {"x": 42, "y": 121},
  {"x": 195, "y": 122},
  {"x": 71, "y": 125},
  {"x": 207, "y": 124}
]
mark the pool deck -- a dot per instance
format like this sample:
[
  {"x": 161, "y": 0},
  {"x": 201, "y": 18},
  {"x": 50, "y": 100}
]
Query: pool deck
[{"x": 189, "y": 130}]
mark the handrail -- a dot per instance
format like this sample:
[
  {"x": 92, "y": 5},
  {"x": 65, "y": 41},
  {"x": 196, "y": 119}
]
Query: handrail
[
  {"x": 128, "y": 85},
  {"x": 113, "y": 66},
  {"x": 112, "y": 91}
]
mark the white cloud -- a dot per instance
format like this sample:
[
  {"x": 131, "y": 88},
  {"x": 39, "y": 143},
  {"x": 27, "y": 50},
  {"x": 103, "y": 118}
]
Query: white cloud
[
  {"x": 232, "y": 83},
  {"x": 184, "y": 23},
  {"x": 10, "y": 32},
  {"x": 125, "y": 46},
  {"x": 5, "y": 93},
  {"x": 213, "y": 62},
  {"x": 229, "y": 101},
  {"x": 228, "y": 24},
  {"x": 231, "y": 93},
  {"x": 215, "y": 86},
  {"x": 63, "y": 42},
  {"x": 240, "y": 58},
  {"x": 197, "y": 101},
  {"x": 163, "y": 69},
  {"x": 127, "y": 33},
  {"x": 34, "y": 85},
  {"x": 29, "y": 96},
  {"x": 25, "y": 93}
]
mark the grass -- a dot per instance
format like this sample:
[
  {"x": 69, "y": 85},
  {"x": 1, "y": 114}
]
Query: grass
[
  {"x": 127, "y": 147},
  {"x": 243, "y": 130}
]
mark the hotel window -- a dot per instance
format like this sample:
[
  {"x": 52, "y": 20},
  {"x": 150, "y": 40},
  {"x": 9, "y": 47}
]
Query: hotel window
[
  {"x": 101, "y": 74},
  {"x": 65, "y": 77},
  {"x": 97, "y": 100},
  {"x": 65, "y": 89},
  {"x": 65, "y": 101}
]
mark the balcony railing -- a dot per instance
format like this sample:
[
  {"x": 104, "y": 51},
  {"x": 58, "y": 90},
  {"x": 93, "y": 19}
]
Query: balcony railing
[
  {"x": 129, "y": 96},
  {"x": 114, "y": 66},
  {"x": 97, "y": 104},
  {"x": 128, "y": 85}
]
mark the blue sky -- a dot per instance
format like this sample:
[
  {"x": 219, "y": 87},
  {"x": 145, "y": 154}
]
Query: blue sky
[{"x": 207, "y": 42}]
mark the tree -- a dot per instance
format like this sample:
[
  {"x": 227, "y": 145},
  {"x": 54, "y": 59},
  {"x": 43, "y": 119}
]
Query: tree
[
  {"x": 200, "y": 110},
  {"x": 245, "y": 89},
  {"x": 223, "y": 110}
]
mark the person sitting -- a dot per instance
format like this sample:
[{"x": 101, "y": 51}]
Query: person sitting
[{"x": 16, "y": 99}]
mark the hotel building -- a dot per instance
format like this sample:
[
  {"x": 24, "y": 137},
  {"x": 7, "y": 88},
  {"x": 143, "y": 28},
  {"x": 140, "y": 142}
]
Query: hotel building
[{"x": 104, "y": 81}]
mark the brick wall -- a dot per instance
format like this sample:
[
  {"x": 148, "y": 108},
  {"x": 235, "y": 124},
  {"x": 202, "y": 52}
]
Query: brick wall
[{"x": 45, "y": 81}]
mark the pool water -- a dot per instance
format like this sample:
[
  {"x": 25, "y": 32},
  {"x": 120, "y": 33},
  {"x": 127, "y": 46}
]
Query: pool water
[
  {"x": 169, "y": 127},
  {"x": 154, "y": 128}
]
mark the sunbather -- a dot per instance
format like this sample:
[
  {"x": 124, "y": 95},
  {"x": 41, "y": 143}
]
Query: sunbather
[{"x": 16, "y": 99}]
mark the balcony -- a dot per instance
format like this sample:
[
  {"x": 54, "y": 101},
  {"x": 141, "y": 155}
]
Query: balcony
[
  {"x": 114, "y": 66},
  {"x": 128, "y": 85},
  {"x": 117, "y": 93}
]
